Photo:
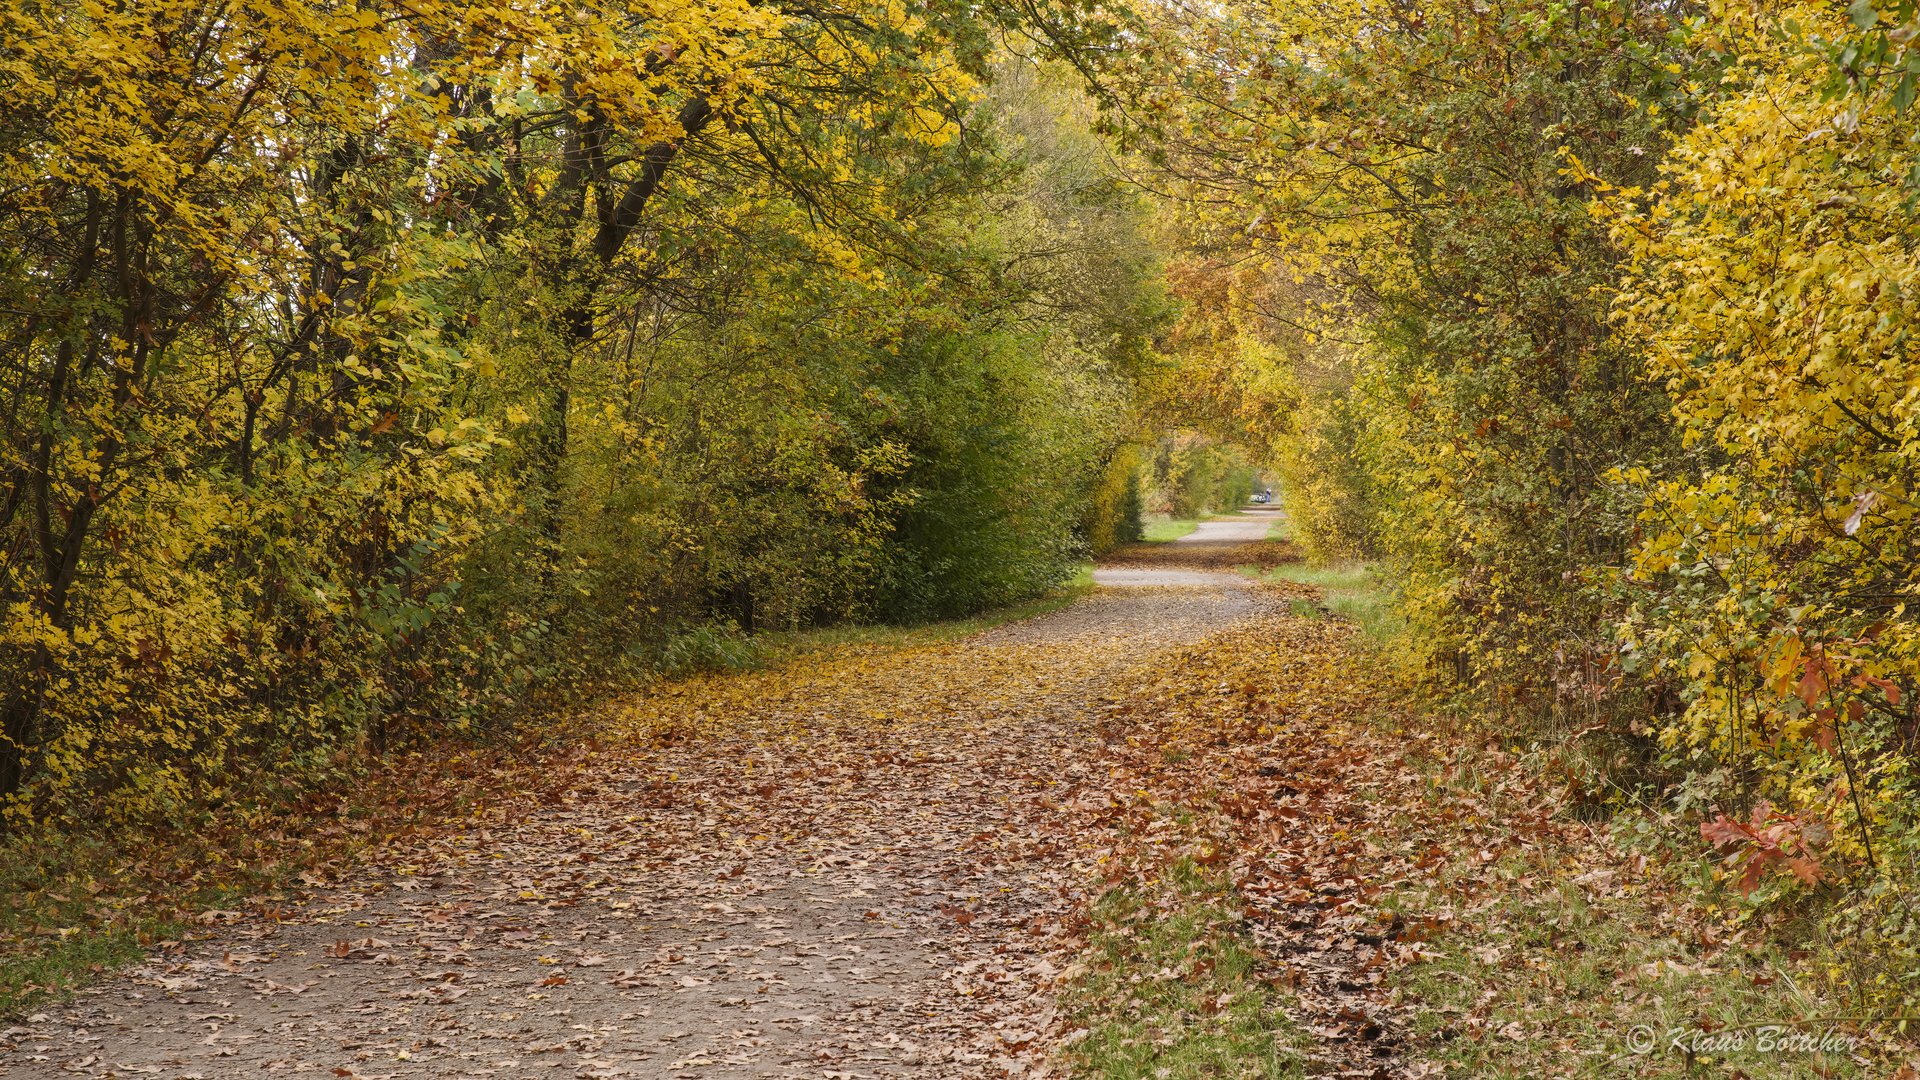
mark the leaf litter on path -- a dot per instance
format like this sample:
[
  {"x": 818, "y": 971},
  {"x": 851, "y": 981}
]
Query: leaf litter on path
[
  {"x": 1247, "y": 756},
  {"x": 873, "y": 862},
  {"x": 855, "y": 865}
]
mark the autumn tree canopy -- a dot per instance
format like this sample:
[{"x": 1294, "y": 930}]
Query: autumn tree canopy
[
  {"x": 369, "y": 371},
  {"x": 370, "y": 367}
]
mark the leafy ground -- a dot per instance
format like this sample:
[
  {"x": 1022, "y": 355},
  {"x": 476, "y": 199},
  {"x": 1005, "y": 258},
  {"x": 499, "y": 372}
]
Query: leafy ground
[
  {"x": 1163, "y": 831},
  {"x": 76, "y": 902},
  {"x": 854, "y": 862}
]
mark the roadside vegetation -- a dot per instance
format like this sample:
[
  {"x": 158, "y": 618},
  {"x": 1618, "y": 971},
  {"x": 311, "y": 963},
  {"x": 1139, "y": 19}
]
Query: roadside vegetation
[
  {"x": 1350, "y": 590},
  {"x": 1639, "y": 473}
]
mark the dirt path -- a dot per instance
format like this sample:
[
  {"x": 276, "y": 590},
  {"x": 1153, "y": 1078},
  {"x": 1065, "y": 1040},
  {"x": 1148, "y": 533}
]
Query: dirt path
[
  {"x": 846, "y": 869},
  {"x": 1204, "y": 557},
  {"x": 1245, "y": 527}
]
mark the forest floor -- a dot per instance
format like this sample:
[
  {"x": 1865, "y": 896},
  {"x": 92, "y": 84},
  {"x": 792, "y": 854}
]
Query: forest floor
[{"x": 1162, "y": 832}]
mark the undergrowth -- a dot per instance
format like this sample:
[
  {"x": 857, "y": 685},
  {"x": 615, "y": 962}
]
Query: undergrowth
[
  {"x": 784, "y": 646},
  {"x": 1351, "y": 590},
  {"x": 1171, "y": 988},
  {"x": 1557, "y": 942},
  {"x": 1561, "y": 953}
]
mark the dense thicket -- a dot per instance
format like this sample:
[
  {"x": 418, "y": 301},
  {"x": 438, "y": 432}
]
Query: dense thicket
[
  {"x": 1595, "y": 321},
  {"x": 369, "y": 367}
]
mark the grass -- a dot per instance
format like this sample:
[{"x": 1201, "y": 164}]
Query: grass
[
  {"x": 1160, "y": 528},
  {"x": 53, "y": 939},
  {"x": 1351, "y": 590},
  {"x": 75, "y": 904},
  {"x": 1546, "y": 945},
  {"x": 1170, "y": 988},
  {"x": 1550, "y": 978}
]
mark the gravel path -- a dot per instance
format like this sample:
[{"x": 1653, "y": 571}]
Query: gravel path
[
  {"x": 1247, "y": 526},
  {"x": 842, "y": 869},
  {"x": 1134, "y": 577},
  {"x": 1205, "y": 557}
]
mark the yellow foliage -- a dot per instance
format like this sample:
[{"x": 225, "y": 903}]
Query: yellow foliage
[{"x": 1776, "y": 285}]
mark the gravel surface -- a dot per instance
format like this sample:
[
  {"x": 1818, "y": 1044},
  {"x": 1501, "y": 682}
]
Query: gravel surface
[
  {"x": 1221, "y": 545},
  {"x": 843, "y": 869},
  {"x": 1242, "y": 528}
]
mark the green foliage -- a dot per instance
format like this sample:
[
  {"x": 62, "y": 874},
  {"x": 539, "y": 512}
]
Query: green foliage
[
  {"x": 707, "y": 647},
  {"x": 355, "y": 403},
  {"x": 1329, "y": 483},
  {"x": 1005, "y": 463},
  {"x": 1191, "y": 475}
]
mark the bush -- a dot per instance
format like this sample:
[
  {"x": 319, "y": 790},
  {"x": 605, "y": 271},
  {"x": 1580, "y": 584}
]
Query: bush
[
  {"x": 708, "y": 647},
  {"x": 1116, "y": 509},
  {"x": 1327, "y": 480},
  {"x": 1772, "y": 586}
]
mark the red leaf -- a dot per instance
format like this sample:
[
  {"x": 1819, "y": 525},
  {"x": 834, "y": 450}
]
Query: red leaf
[
  {"x": 1813, "y": 679},
  {"x": 1886, "y": 686},
  {"x": 1825, "y": 737},
  {"x": 1723, "y": 830}
]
